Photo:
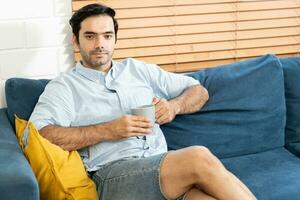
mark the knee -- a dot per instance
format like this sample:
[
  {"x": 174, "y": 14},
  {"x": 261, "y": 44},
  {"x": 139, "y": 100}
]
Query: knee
[
  {"x": 203, "y": 162},
  {"x": 201, "y": 155}
]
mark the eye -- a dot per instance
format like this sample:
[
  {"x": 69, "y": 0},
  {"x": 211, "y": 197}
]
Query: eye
[
  {"x": 108, "y": 36},
  {"x": 89, "y": 37}
]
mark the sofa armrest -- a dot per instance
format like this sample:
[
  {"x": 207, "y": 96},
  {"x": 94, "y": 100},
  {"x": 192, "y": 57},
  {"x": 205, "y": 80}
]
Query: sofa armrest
[{"x": 17, "y": 180}]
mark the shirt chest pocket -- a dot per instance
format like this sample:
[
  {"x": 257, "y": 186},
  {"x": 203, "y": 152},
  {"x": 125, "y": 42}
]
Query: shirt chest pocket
[
  {"x": 138, "y": 96},
  {"x": 132, "y": 92}
]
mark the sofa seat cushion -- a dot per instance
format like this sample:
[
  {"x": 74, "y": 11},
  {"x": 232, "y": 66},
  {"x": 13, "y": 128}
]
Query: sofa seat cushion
[
  {"x": 244, "y": 114},
  {"x": 22, "y": 95},
  {"x": 270, "y": 175},
  {"x": 17, "y": 180},
  {"x": 291, "y": 70}
]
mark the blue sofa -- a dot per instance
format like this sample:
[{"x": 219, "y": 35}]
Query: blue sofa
[{"x": 251, "y": 122}]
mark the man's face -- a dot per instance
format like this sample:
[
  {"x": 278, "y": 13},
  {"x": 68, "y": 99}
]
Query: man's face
[{"x": 96, "y": 42}]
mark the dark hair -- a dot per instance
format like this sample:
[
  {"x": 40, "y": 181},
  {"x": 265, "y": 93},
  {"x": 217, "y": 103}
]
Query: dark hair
[{"x": 88, "y": 11}]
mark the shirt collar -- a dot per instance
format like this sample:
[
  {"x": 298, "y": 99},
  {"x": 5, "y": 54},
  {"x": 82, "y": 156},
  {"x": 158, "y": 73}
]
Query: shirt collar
[{"x": 94, "y": 75}]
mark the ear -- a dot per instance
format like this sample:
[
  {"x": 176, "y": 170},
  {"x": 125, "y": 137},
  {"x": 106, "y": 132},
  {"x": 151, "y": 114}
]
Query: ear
[{"x": 75, "y": 43}]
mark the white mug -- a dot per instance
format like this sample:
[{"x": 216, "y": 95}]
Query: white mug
[{"x": 146, "y": 111}]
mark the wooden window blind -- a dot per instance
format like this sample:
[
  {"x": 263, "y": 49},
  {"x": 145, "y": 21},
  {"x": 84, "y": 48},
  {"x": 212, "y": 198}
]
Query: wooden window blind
[{"x": 190, "y": 35}]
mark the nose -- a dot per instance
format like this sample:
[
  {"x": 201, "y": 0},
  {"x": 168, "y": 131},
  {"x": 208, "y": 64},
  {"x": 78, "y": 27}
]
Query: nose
[{"x": 98, "y": 42}]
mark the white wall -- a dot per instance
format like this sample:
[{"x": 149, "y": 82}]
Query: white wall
[{"x": 34, "y": 39}]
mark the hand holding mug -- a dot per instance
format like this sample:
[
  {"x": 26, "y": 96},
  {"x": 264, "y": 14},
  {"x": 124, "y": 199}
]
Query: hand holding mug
[{"x": 165, "y": 111}]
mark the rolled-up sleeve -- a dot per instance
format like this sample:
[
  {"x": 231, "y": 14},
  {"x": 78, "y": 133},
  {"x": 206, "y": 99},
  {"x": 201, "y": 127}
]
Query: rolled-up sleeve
[
  {"x": 55, "y": 106},
  {"x": 168, "y": 85}
]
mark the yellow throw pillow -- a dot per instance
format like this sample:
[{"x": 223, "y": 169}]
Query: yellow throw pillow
[{"x": 60, "y": 174}]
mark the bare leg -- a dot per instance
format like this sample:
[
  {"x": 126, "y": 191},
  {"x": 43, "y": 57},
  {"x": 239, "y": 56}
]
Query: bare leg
[
  {"x": 191, "y": 167},
  {"x": 195, "y": 194},
  {"x": 242, "y": 185}
]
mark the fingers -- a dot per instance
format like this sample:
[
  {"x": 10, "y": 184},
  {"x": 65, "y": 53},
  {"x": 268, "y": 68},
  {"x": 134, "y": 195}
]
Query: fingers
[
  {"x": 161, "y": 106},
  {"x": 155, "y": 100},
  {"x": 141, "y": 124},
  {"x": 162, "y": 120},
  {"x": 164, "y": 112},
  {"x": 137, "y": 131},
  {"x": 165, "y": 118},
  {"x": 137, "y": 125},
  {"x": 139, "y": 119},
  {"x": 161, "y": 111}
]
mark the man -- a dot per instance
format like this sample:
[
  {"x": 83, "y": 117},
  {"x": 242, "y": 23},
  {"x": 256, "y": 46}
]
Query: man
[{"x": 88, "y": 109}]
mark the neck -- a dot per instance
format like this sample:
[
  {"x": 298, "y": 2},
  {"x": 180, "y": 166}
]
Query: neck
[{"x": 103, "y": 68}]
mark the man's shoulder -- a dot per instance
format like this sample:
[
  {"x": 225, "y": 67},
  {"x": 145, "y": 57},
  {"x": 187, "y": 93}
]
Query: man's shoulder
[
  {"x": 63, "y": 79},
  {"x": 132, "y": 62},
  {"x": 135, "y": 64}
]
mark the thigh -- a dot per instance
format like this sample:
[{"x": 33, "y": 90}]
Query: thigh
[
  {"x": 178, "y": 171},
  {"x": 196, "y": 194},
  {"x": 129, "y": 179}
]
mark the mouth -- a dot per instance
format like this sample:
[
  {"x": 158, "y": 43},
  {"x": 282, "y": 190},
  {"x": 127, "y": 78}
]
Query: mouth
[{"x": 99, "y": 54}]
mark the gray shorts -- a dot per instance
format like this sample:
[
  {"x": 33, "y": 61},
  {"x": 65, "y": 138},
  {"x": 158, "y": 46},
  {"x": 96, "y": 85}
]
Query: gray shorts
[{"x": 130, "y": 179}]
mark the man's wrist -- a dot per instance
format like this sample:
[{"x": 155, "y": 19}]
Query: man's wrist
[
  {"x": 176, "y": 106},
  {"x": 103, "y": 131}
]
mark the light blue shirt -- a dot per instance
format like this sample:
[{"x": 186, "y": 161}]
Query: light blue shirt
[{"x": 84, "y": 96}]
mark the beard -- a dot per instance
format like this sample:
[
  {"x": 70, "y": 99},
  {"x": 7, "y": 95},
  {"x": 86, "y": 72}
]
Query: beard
[{"x": 91, "y": 60}]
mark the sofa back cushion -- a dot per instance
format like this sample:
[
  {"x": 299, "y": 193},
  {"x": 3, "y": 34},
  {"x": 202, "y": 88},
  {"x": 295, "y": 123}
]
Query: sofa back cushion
[
  {"x": 22, "y": 95},
  {"x": 244, "y": 114},
  {"x": 291, "y": 70}
]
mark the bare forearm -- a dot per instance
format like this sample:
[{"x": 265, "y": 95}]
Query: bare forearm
[
  {"x": 79, "y": 137},
  {"x": 191, "y": 100},
  {"x": 75, "y": 137}
]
